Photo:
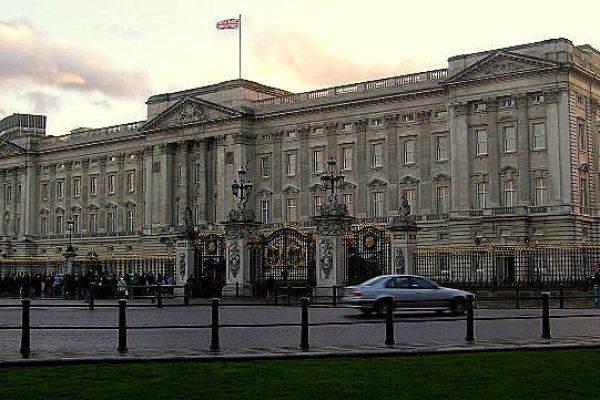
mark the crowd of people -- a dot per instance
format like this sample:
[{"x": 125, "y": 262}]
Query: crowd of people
[{"x": 79, "y": 286}]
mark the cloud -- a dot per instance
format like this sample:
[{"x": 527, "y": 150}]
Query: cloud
[
  {"x": 30, "y": 57},
  {"x": 42, "y": 102},
  {"x": 314, "y": 65}
]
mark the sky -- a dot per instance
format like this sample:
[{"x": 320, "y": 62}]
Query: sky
[{"x": 92, "y": 63}]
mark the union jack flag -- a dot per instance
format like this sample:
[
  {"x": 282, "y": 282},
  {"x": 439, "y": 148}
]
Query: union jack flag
[{"x": 232, "y": 23}]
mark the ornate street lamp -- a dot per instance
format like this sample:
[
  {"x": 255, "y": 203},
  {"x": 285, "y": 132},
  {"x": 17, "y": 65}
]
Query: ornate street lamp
[
  {"x": 332, "y": 179},
  {"x": 242, "y": 190},
  {"x": 69, "y": 254}
]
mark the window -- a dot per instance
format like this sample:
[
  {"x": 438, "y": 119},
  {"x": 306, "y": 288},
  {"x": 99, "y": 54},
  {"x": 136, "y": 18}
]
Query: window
[
  {"x": 539, "y": 136},
  {"x": 45, "y": 192},
  {"x": 508, "y": 103},
  {"x": 60, "y": 226},
  {"x": 377, "y": 122},
  {"x": 541, "y": 192},
  {"x": 347, "y": 158},
  {"x": 265, "y": 211},
  {"x": 197, "y": 174},
  {"x": 130, "y": 216},
  {"x": 581, "y": 134},
  {"x": 76, "y": 187},
  {"x": 93, "y": 223},
  {"x": 290, "y": 134},
  {"x": 319, "y": 130},
  {"x": 180, "y": 179},
  {"x": 93, "y": 185},
  {"x": 441, "y": 114},
  {"x": 17, "y": 224},
  {"x": 481, "y": 194},
  {"x": 19, "y": 193},
  {"x": 411, "y": 197},
  {"x": 349, "y": 202},
  {"x": 76, "y": 224},
  {"x": 44, "y": 225},
  {"x": 317, "y": 203},
  {"x": 442, "y": 148},
  {"x": 481, "y": 106},
  {"x": 111, "y": 222},
  {"x": 348, "y": 126},
  {"x": 443, "y": 199},
  {"x": 290, "y": 164},
  {"x": 111, "y": 183},
  {"x": 7, "y": 226},
  {"x": 318, "y": 161},
  {"x": 583, "y": 192},
  {"x": 482, "y": 142},
  {"x": 408, "y": 118},
  {"x": 60, "y": 189},
  {"x": 290, "y": 210},
  {"x": 8, "y": 194},
  {"x": 377, "y": 150},
  {"x": 509, "y": 193},
  {"x": 130, "y": 181},
  {"x": 539, "y": 98},
  {"x": 409, "y": 152},
  {"x": 510, "y": 139},
  {"x": 378, "y": 204},
  {"x": 265, "y": 166}
]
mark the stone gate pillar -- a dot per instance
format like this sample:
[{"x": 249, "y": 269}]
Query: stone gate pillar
[
  {"x": 330, "y": 254},
  {"x": 184, "y": 264},
  {"x": 238, "y": 257},
  {"x": 404, "y": 244}
]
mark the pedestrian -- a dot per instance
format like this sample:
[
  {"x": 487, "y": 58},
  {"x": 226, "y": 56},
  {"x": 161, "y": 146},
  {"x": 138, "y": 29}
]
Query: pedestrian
[
  {"x": 270, "y": 288},
  {"x": 596, "y": 282}
]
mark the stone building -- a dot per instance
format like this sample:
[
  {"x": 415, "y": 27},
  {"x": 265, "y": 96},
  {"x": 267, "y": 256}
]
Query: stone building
[{"x": 499, "y": 147}]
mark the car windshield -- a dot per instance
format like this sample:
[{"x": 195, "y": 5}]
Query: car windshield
[{"x": 373, "y": 281}]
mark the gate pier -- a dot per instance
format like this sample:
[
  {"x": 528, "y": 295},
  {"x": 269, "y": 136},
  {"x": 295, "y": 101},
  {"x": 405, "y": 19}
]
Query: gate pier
[
  {"x": 330, "y": 246},
  {"x": 238, "y": 256}
]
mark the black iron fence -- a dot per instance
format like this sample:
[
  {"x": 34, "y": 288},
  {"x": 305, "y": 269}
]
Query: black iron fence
[{"x": 531, "y": 265}]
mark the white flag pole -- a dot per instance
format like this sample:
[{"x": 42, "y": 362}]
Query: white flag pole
[{"x": 240, "y": 47}]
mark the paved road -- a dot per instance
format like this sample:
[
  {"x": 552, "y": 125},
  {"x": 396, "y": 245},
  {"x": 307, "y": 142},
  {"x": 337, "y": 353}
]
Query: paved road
[{"x": 248, "y": 327}]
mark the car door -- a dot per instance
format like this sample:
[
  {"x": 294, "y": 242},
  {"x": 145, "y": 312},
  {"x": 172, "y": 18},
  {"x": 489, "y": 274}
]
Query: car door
[
  {"x": 399, "y": 287},
  {"x": 426, "y": 294}
]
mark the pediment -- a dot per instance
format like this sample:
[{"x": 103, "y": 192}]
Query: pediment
[
  {"x": 263, "y": 193},
  {"x": 189, "y": 111},
  {"x": 502, "y": 63},
  {"x": 290, "y": 190},
  {"x": 376, "y": 182},
  {"x": 408, "y": 180},
  {"x": 10, "y": 149}
]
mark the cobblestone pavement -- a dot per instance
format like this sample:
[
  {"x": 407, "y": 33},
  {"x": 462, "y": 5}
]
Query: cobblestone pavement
[{"x": 77, "y": 345}]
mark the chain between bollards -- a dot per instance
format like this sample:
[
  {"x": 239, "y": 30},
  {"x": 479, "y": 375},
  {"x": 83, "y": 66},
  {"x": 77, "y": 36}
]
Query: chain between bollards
[
  {"x": 304, "y": 345},
  {"x": 214, "y": 344},
  {"x": 25, "y": 328},
  {"x": 390, "y": 340},
  {"x": 546, "y": 315}
]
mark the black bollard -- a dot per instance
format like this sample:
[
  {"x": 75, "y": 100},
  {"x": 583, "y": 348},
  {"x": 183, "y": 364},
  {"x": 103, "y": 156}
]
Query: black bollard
[
  {"x": 91, "y": 305},
  {"x": 186, "y": 294},
  {"x": 334, "y": 295},
  {"x": 214, "y": 345},
  {"x": 470, "y": 319},
  {"x": 122, "y": 326},
  {"x": 159, "y": 297},
  {"x": 237, "y": 290},
  {"x": 546, "y": 315},
  {"x": 25, "y": 328},
  {"x": 304, "y": 345},
  {"x": 389, "y": 322},
  {"x": 562, "y": 295}
]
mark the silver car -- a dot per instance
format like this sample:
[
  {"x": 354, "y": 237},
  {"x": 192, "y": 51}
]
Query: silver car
[{"x": 410, "y": 292}]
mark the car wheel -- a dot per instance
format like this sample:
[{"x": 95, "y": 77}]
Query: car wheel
[{"x": 458, "y": 306}]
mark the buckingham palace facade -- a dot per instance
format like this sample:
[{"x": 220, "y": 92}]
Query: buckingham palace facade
[{"x": 501, "y": 146}]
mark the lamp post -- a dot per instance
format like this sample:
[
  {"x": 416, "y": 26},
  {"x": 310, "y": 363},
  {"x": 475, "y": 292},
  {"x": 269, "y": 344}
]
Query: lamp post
[
  {"x": 242, "y": 190},
  {"x": 331, "y": 179},
  {"x": 69, "y": 254}
]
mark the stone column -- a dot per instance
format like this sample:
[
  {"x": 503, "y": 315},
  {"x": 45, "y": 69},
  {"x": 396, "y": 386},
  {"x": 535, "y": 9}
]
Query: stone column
[
  {"x": 238, "y": 256},
  {"x": 330, "y": 254},
  {"x": 404, "y": 244}
]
